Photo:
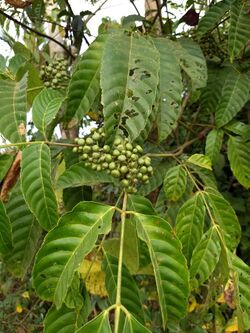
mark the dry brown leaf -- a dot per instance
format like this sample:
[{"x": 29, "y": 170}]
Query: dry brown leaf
[{"x": 19, "y": 3}]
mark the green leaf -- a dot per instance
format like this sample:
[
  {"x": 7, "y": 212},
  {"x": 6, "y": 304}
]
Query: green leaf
[
  {"x": 132, "y": 64},
  {"x": 131, "y": 244},
  {"x": 5, "y": 163},
  {"x": 201, "y": 160},
  {"x": 225, "y": 216},
  {"x": 36, "y": 184},
  {"x": 84, "y": 85},
  {"x": 239, "y": 28},
  {"x": 192, "y": 61},
  {"x": 240, "y": 129},
  {"x": 65, "y": 247},
  {"x": 190, "y": 224},
  {"x": 13, "y": 109},
  {"x": 63, "y": 320},
  {"x": 45, "y": 107},
  {"x": 72, "y": 196},
  {"x": 130, "y": 297},
  {"x": 205, "y": 256},
  {"x": 212, "y": 17},
  {"x": 5, "y": 231},
  {"x": 213, "y": 144},
  {"x": 242, "y": 281},
  {"x": 238, "y": 155},
  {"x": 74, "y": 298},
  {"x": 26, "y": 233},
  {"x": 131, "y": 325},
  {"x": 156, "y": 179},
  {"x": 205, "y": 175},
  {"x": 171, "y": 88},
  {"x": 234, "y": 95},
  {"x": 175, "y": 183},
  {"x": 16, "y": 62},
  {"x": 140, "y": 204},
  {"x": 100, "y": 324},
  {"x": 78, "y": 175},
  {"x": 170, "y": 267}
]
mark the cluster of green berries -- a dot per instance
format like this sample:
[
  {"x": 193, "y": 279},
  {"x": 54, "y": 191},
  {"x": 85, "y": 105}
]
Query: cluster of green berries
[
  {"x": 55, "y": 75},
  {"x": 123, "y": 160}
]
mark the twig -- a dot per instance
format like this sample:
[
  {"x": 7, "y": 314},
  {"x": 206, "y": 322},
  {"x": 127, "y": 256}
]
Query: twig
[
  {"x": 69, "y": 8},
  {"x": 96, "y": 11},
  {"x": 135, "y": 7},
  {"x": 23, "y": 25}
]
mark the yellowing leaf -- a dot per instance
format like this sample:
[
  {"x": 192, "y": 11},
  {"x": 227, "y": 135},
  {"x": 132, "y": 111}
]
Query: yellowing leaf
[
  {"x": 19, "y": 308},
  {"x": 94, "y": 277},
  {"x": 26, "y": 294},
  {"x": 201, "y": 160},
  {"x": 192, "y": 305},
  {"x": 232, "y": 325}
]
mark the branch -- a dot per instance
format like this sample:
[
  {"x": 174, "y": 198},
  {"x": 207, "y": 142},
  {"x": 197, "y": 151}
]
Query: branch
[
  {"x": 69, "y": 8},
  {"x": 24, "y": 26},
  {"x": 96, "y": 11}
]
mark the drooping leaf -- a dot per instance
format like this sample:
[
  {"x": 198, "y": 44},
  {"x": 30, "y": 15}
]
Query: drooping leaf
[
  {"x": 239, "y": 128},
  {"x": 192, "y": 61},
  {"x": 175, "y": 182},
  {"x": 171, "y": 89},
  {"x": 205, "y": 175},
  {"x": 132, "y": 64},
  {"x": 16, "y": 62},
  {"x": 78, "y": 175},
  {"x": 190, "y": 223},
  {"x": 5, "y": 163},
  {"x": 140, "y": 204},
  {"x": 5, "y": 231},
  {"x": 130, "y": 297},
  {"x": 238, "y": 155},
  {"x": 131, "y": 246},
  {"x": 205, "y": 256},
  {"x": 201, "y": 160},
  {"x": 13, "y": 109},
  {"x": 26, "y": 233},
  {"x": 62, "y": 320},
  {"x": 36, "y": 184},
  {"x": 212, "y": 17},
  {"x": 239, "y": 32},
  {"x": 234, "y": 95},
  {"x": 100, "y": 324},
  {"x": 84, "y": 85},
  {"x": 242, "y": 281},
  {"x": 65, "y": 247},
  {"x": 45, "y": 107},
  {"x": 170, "y": 267},
  {"x": 72, "y": 196},
  {"x": 213, "y": 144},
  {"x": 131, "y": 325},
  {"x": 225, "y": 216}
]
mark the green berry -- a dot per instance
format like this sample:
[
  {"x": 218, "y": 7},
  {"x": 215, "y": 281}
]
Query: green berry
[
  {"x": 112, "y": 165},
  {"x": 135, "y": 150},
  {"x": 84, "y": 157},
  {"x": 89, "y": 141},
  {"x": 128, "y": 153},
  {"x": 122, "y": 158},
  {"x": 105, "y": 165},
  {"x": 115, "y": 173},
  {"x": 117, "y": 141},
  {"x": 108, "y": 158},
  {"x": 123, "y": 169},
  {"x": 145, "y": 178},
  {"x": 98, "y": 168},
  {"x": 147, "y": 161},
  {"x": 94, "y": 166},
  {"x": 75, "y": 150},
  {"x": 96, "y": 155},
  {"x": 106, "y": 148},
  {"x": 96, "y": 136},
  {"x": 139, "y": 175},
  {"x": 76, "y": 140},
  {"x": 95, "y": 148},
  {"x": 116, "y": 152},
  {"x": 129, "y": 146},
  {"x": 81, "y": 142},
  {"x": 139, "y": 149},
  {"x": 125, "y": 183},
  {"x": 143, "y": 169},
  {"x": 133, "y": 171},
  {"x": 120, "y": 147},
  {"x": 141, "y": 161},
  {"x": 86, "y": 149},
  {"x": 134, "y": 157},
  {"x": 150, "y": 169}
]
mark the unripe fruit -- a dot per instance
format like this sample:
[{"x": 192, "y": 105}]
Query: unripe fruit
[
  {"x": 95, "y": 148},
  {"x": 123, "y": 169},
  {"x": 141, "y": 161},
  {"x": 129, "y": 146},
  {"x": 75, "y": 150},
  {"x": 96, "y": 136},
  {"x": 145, "y": 178},
  {"x": 143, "y": 169},
  {"x": 112, "y": 165},
  {"x": 122, "y": 158},
  {"x": 106, "y": 148},
  {"x": 117, "y": 141},
  {"x": 134, "y": 157},
  {"x": 116, "y": 152},
  {"x": 115, "y": 173},
  {"x": 81, "y": 142},
  {"x": 89, "y": 141},
  {"x": 86, "y": 149},
  {"x": 108, "y": 158},
  {"x": 125, "y": 183}
]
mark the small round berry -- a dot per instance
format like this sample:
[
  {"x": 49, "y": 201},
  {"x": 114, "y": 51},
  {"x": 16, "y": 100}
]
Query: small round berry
[
  {"x": 112, "y": 165},
  {"x": 115, "y": 173}
]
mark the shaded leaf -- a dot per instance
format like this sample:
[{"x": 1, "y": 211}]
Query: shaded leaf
[
  {"x": 78, "y": 175},
  {"x": 190, "y": 223},
  {"x": 239, "y": 28},
  {"x": 84, "y": 85},
  {"x": 45, "y": 107},
  {"x": 36, "y": 184},
  {"x": 171, "y": 89},
  {"x": 175, "y": 182},
  {"x": 131, "y": 325},
  {"x": 5, "y": 231},
  {"x": 240, "y": 129},
  {"x": 65, "y": 247},
  {"x": 5, "y": 163},
  {"x": 130, "y": 297},
  {"x": 140, "y": 204},
  {"x": 225, "y": 216},
  {"x": 132, "y": 64},
  {"x": 13, "y": 109},
  {"x": 205, "y": 256},
  {"x": 213, "y": 144},
  {"x": 238, "y": 155},
  {"x": 26, "y": 233},
  {"x": 170, "y": 268}
]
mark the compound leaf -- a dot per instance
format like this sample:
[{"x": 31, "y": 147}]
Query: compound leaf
[
  {"x": 132, "y": 64},
  {"x": 36, "y": 184},
  {"x": 169, "y": 264},
  {"x": 65, "y": 247}
]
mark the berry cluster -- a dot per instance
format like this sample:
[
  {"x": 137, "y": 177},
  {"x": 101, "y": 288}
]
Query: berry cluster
[
  {"x": 123, "y": 161},
  {"x": 55, "y": 75}
]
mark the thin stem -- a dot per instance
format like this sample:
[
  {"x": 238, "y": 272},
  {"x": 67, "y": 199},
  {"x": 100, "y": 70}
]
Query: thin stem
[
  {"x": 50, "y": 143},
  {"x": 23, "y": 25},
  {"x": 96, "y": 11},
  {"x": 119, "y": 274}
]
